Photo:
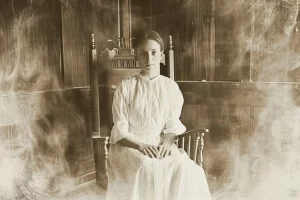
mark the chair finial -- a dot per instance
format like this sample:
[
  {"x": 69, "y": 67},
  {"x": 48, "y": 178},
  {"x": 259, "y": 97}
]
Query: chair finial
[
  {"x": 93, "y": 45},
  {"x": 170, "y": 42}
]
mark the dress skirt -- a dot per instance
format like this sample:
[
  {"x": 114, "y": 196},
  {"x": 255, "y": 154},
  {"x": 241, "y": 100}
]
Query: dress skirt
[{"x": 135, "y": 176}]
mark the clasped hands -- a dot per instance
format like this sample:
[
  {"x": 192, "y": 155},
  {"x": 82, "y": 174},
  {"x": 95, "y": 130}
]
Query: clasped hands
[{"x": 160, "y": 151}]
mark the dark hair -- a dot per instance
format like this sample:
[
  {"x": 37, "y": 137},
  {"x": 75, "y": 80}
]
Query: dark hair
[{"x": 151, "y": 35}]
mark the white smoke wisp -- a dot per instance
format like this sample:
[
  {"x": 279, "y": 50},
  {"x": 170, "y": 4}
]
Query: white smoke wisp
[
  {"x": 270, "y": 169},
  {"x": 34, "y": 147}
]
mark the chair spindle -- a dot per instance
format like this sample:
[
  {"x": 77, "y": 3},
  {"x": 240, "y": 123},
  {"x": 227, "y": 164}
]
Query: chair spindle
[
  {"x": 182, "y": 143},
  {"x": 188, "y": 150},
  {"x": 201, "y": 149},
  {"x": 196, "y": 144}
]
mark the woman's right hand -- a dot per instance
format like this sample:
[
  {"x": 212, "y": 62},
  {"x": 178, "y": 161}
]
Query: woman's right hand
[{"x": 149, "y": 150}]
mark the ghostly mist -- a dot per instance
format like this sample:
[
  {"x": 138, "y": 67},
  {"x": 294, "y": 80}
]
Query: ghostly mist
[
  {"x": 37, "y": 123},
  {"x": 270, "y": 170}
]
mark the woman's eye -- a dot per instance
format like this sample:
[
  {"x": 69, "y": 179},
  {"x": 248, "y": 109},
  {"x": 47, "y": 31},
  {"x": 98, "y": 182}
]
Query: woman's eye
[{"x": 143, "y": 54}]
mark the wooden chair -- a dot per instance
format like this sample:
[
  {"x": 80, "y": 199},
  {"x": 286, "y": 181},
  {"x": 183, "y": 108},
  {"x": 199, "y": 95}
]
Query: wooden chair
[{"x": 123, "y": 65}]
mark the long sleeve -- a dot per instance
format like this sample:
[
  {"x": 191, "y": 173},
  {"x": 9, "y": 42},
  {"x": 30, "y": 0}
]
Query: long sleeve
[
  {"x": 120, "y": 117},
  {"x": 173, "y": 123}
]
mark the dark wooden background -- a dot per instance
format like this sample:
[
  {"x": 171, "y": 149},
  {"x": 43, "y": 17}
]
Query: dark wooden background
[{"x": 226, "y": 82}]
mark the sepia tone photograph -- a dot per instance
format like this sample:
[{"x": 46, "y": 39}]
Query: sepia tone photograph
[{"x": 150, "y": 99}]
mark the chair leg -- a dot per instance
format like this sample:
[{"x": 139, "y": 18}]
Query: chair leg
[{"x": 100, "y": 156}]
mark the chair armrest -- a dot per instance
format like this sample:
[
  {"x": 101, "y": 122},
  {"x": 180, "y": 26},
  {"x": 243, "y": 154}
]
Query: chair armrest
[{"x": 193, "y": 132}]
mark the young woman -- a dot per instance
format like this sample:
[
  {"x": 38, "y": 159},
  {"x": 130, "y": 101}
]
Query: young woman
[{"x": 144, "y": 163}]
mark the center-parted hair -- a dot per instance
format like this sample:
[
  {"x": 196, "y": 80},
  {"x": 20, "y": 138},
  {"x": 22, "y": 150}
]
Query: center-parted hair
[{"x": 151, "y": 35}]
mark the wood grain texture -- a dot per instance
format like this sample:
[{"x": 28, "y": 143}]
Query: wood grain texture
[
  {"x": 79, "y": 20},
  {"x": 69, "y": 43},
  {"x": 30, "y": 35},
  {"x": 207, "y": 42}
]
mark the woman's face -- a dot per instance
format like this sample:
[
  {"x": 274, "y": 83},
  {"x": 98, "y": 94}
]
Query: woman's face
[{"x": 149, "y": 55}]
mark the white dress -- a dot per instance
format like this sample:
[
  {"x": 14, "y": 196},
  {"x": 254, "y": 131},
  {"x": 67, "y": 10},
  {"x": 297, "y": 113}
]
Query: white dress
[{"x": 145, "y": 110}]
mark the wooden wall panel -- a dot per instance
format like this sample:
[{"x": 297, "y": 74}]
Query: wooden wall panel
[
  {"x": 222, "y": 35},
  {"x": 229, "y": 41},
  {"x": 141, "y": 16},
  {"x": 5, "y": 38},
  {"x": 81, "y": 75},
  {"x": 79, "y": 20},
  {"x": 32, "y": 57},
  {"x": 69, "y": 42},
  {"x": 48, "y": 33},
  {"x": 207, "y": 35},
  {"x": 107, "y": 28}
]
